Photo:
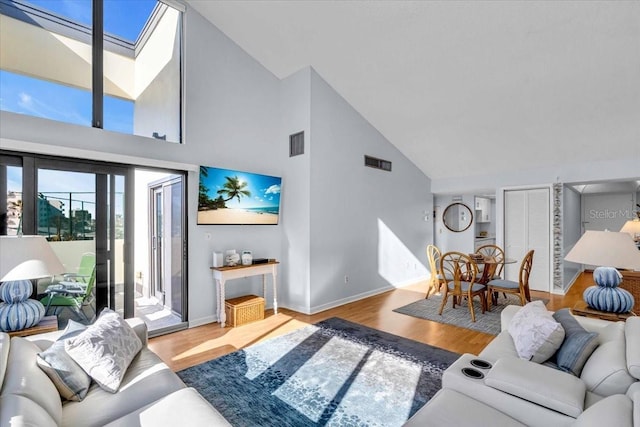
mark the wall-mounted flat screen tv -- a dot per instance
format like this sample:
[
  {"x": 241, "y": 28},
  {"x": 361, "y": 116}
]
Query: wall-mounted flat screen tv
[{"x": 236, "y": 197}]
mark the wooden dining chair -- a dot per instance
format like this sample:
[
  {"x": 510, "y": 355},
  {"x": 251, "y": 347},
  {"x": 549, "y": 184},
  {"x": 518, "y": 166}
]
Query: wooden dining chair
[
  {"x": 463, "y": 271},
  {"x": 496, "y": 253},
  {"x": 521, "y": 287},
  {"x": 437, "y": 279}
]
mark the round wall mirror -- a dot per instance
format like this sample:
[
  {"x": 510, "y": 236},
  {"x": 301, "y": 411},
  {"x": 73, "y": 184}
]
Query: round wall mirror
[{"x": 457, "y": 217}]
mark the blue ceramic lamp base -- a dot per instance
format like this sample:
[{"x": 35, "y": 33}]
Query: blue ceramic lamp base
[
  {"x": 18, "y": 312},
  {"x": 607, "y": 296}
]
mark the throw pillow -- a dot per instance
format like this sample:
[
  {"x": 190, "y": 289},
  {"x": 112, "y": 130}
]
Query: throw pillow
[
  {"x": 105, "y": 349},
  {"x": 71, "y": 381},
  {"x": 536, "y": 334},
  {"x": 577, "y": 346}
]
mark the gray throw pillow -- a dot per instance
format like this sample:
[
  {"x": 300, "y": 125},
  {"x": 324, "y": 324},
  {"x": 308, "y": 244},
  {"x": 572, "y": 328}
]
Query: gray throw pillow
[
  {"x": 69, "y": 378},
  {"x": 577, "y": 346},
  {"x": 105, "y": 349}
]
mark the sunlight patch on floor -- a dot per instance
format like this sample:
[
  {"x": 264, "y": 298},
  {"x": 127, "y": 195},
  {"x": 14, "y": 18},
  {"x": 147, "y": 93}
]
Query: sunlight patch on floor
[{"x": 245, "y": 335}]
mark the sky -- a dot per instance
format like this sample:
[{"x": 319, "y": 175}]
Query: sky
[
  {"x": 265, "y": 190},
  {"x": 40, "y": 98}
]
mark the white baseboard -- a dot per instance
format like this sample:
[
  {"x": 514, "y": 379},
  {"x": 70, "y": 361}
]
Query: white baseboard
[
  {"x": 203, "y": 321},
  {"x": 347, "y": 300},
  {"x": 322, "y": 307}
]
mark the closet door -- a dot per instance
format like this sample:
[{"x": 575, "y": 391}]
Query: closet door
[
  {"x": 515, "y": 231},
  {"x": 527, "y": 226}
]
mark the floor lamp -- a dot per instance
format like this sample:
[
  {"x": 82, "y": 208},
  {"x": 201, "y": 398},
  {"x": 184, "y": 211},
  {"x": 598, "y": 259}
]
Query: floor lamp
[{"x": 22, "y": 259}]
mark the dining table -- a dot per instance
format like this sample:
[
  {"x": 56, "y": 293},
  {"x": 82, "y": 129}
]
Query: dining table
[{"x": 490, "y": 266}]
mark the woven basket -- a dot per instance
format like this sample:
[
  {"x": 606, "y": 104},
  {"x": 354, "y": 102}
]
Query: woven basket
[
  {"x": 243, "y": 310},
  {"x": 631, "y": 282}
]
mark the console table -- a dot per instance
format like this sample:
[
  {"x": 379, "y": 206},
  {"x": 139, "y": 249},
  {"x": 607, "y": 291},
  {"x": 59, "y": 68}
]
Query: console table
[
  {"x": 47, "y": 324},
  {"x": 582, "y": 309},
  {"x": 222, "y": 274}
]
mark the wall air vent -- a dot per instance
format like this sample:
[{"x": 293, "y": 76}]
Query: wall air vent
[
  {"x": 373, "y": 162},
  {"x": 296, "y": 144}
]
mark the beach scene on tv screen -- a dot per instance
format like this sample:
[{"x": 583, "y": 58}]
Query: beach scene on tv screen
[{"x": 234, "y": 197}]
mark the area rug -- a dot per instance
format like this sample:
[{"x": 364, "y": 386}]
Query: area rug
[
  {"x": 333, "y": 373},
  {"x": 489, "y": 322}
]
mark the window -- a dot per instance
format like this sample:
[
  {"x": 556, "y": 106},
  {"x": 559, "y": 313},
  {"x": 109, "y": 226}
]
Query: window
[{"x": 50, "y": 61}]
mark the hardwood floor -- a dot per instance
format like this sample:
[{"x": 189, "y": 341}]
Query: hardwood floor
[{"x": 183, "y": 349}]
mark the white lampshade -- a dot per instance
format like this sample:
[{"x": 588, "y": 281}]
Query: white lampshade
[
  {"x": 606, "y": 248},
  {"x": 27, "y": 257}
]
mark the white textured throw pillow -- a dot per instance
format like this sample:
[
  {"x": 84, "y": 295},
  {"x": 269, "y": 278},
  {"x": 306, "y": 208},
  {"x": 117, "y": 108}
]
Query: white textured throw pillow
[
  {"x": 536, "y": 334},
  {"x": 105, "y": 349}
]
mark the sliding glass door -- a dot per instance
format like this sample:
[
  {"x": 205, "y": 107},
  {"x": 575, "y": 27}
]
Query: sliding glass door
[{"x": 83, "y": 210}]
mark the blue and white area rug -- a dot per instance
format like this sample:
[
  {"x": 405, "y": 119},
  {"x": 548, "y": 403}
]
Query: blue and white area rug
[{"x": 333, "y": 373}]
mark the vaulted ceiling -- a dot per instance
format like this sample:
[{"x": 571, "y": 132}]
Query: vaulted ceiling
[{"x": 464, "y": 88}]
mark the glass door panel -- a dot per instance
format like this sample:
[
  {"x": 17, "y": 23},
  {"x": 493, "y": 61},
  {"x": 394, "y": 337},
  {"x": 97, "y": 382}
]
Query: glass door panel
[
  {"x": 66, "y": 216},
  {"x": 115, "y": 243},
  {"x": 11, "y": 201},
  {"x": 161, "y": 303}
]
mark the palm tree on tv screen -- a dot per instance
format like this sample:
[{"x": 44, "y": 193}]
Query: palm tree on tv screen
[{"x": 234, "y": 188}]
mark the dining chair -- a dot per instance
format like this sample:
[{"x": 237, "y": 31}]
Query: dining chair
[
  {"x": 496, "y": 253},
  {"x": 437, "y": 279},
  {"x": 521, "y": 287},
  {"x": 463, "y": 271}
]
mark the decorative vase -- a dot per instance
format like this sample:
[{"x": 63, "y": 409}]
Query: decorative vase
[
  {"x": 18, "y": 312},
  {"x": 607, "y": 296}
]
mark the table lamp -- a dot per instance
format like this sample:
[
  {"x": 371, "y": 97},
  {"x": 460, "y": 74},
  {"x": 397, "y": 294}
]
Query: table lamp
[
  {"x": 23, "y": 258},
  {"x": 608, "y": 250}
]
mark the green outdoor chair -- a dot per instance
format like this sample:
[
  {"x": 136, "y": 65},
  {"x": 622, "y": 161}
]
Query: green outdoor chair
[
  {"x": 72, "y": 295},
  {"x": 85, "y": 269}
]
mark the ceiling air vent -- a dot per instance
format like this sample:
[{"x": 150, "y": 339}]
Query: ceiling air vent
[
  {"x": 373, "y": 162},
  {"x": 296, "y": 144}
]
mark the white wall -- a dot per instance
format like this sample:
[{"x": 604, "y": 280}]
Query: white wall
[
  {"x": 295, "y": 101},
  {"x": 366, "y": 224},
  {"x": 447, "y": 240}
]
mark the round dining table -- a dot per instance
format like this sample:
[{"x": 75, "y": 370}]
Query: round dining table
[{"x": 490, "y": 265}]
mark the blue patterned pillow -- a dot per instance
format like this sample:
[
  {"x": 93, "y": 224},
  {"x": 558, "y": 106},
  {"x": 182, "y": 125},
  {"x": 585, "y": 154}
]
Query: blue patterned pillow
[
  {"x": 69, "y": 378},
  {"x": 577, "y": 346}
]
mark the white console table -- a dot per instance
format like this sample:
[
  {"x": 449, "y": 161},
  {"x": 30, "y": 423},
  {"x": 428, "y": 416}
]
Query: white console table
[{"x": 222, "y": 274}]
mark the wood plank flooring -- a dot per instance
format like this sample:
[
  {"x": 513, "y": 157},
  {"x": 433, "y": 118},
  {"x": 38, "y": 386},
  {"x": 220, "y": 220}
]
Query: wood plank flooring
[{"x": 190, "y": 347}]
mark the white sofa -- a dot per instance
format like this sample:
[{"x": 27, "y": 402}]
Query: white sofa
[
  {"x": 150, "y": 393},
  {"x": 516, "y": 392}
]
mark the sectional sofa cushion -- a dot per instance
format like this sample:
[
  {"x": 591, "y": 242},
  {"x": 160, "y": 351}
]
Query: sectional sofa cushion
[
  {"x": 632, "y": 332},
  {"x": 69, "y": 378},
  {"x": 182, "y": 407},
  {"x": 577, "y": 346},
  {"x": 24, "y": 378},
  {"x": 147, "y": 380},
  {"x": 614, "y": 410},
  {"x": 605, "y": 372},
  {"x": 4, "y": 354},
  {"x": 20, "y": 411},
  {"x": 105, "y": 349},
  {"x": 536, "y": 334}
]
